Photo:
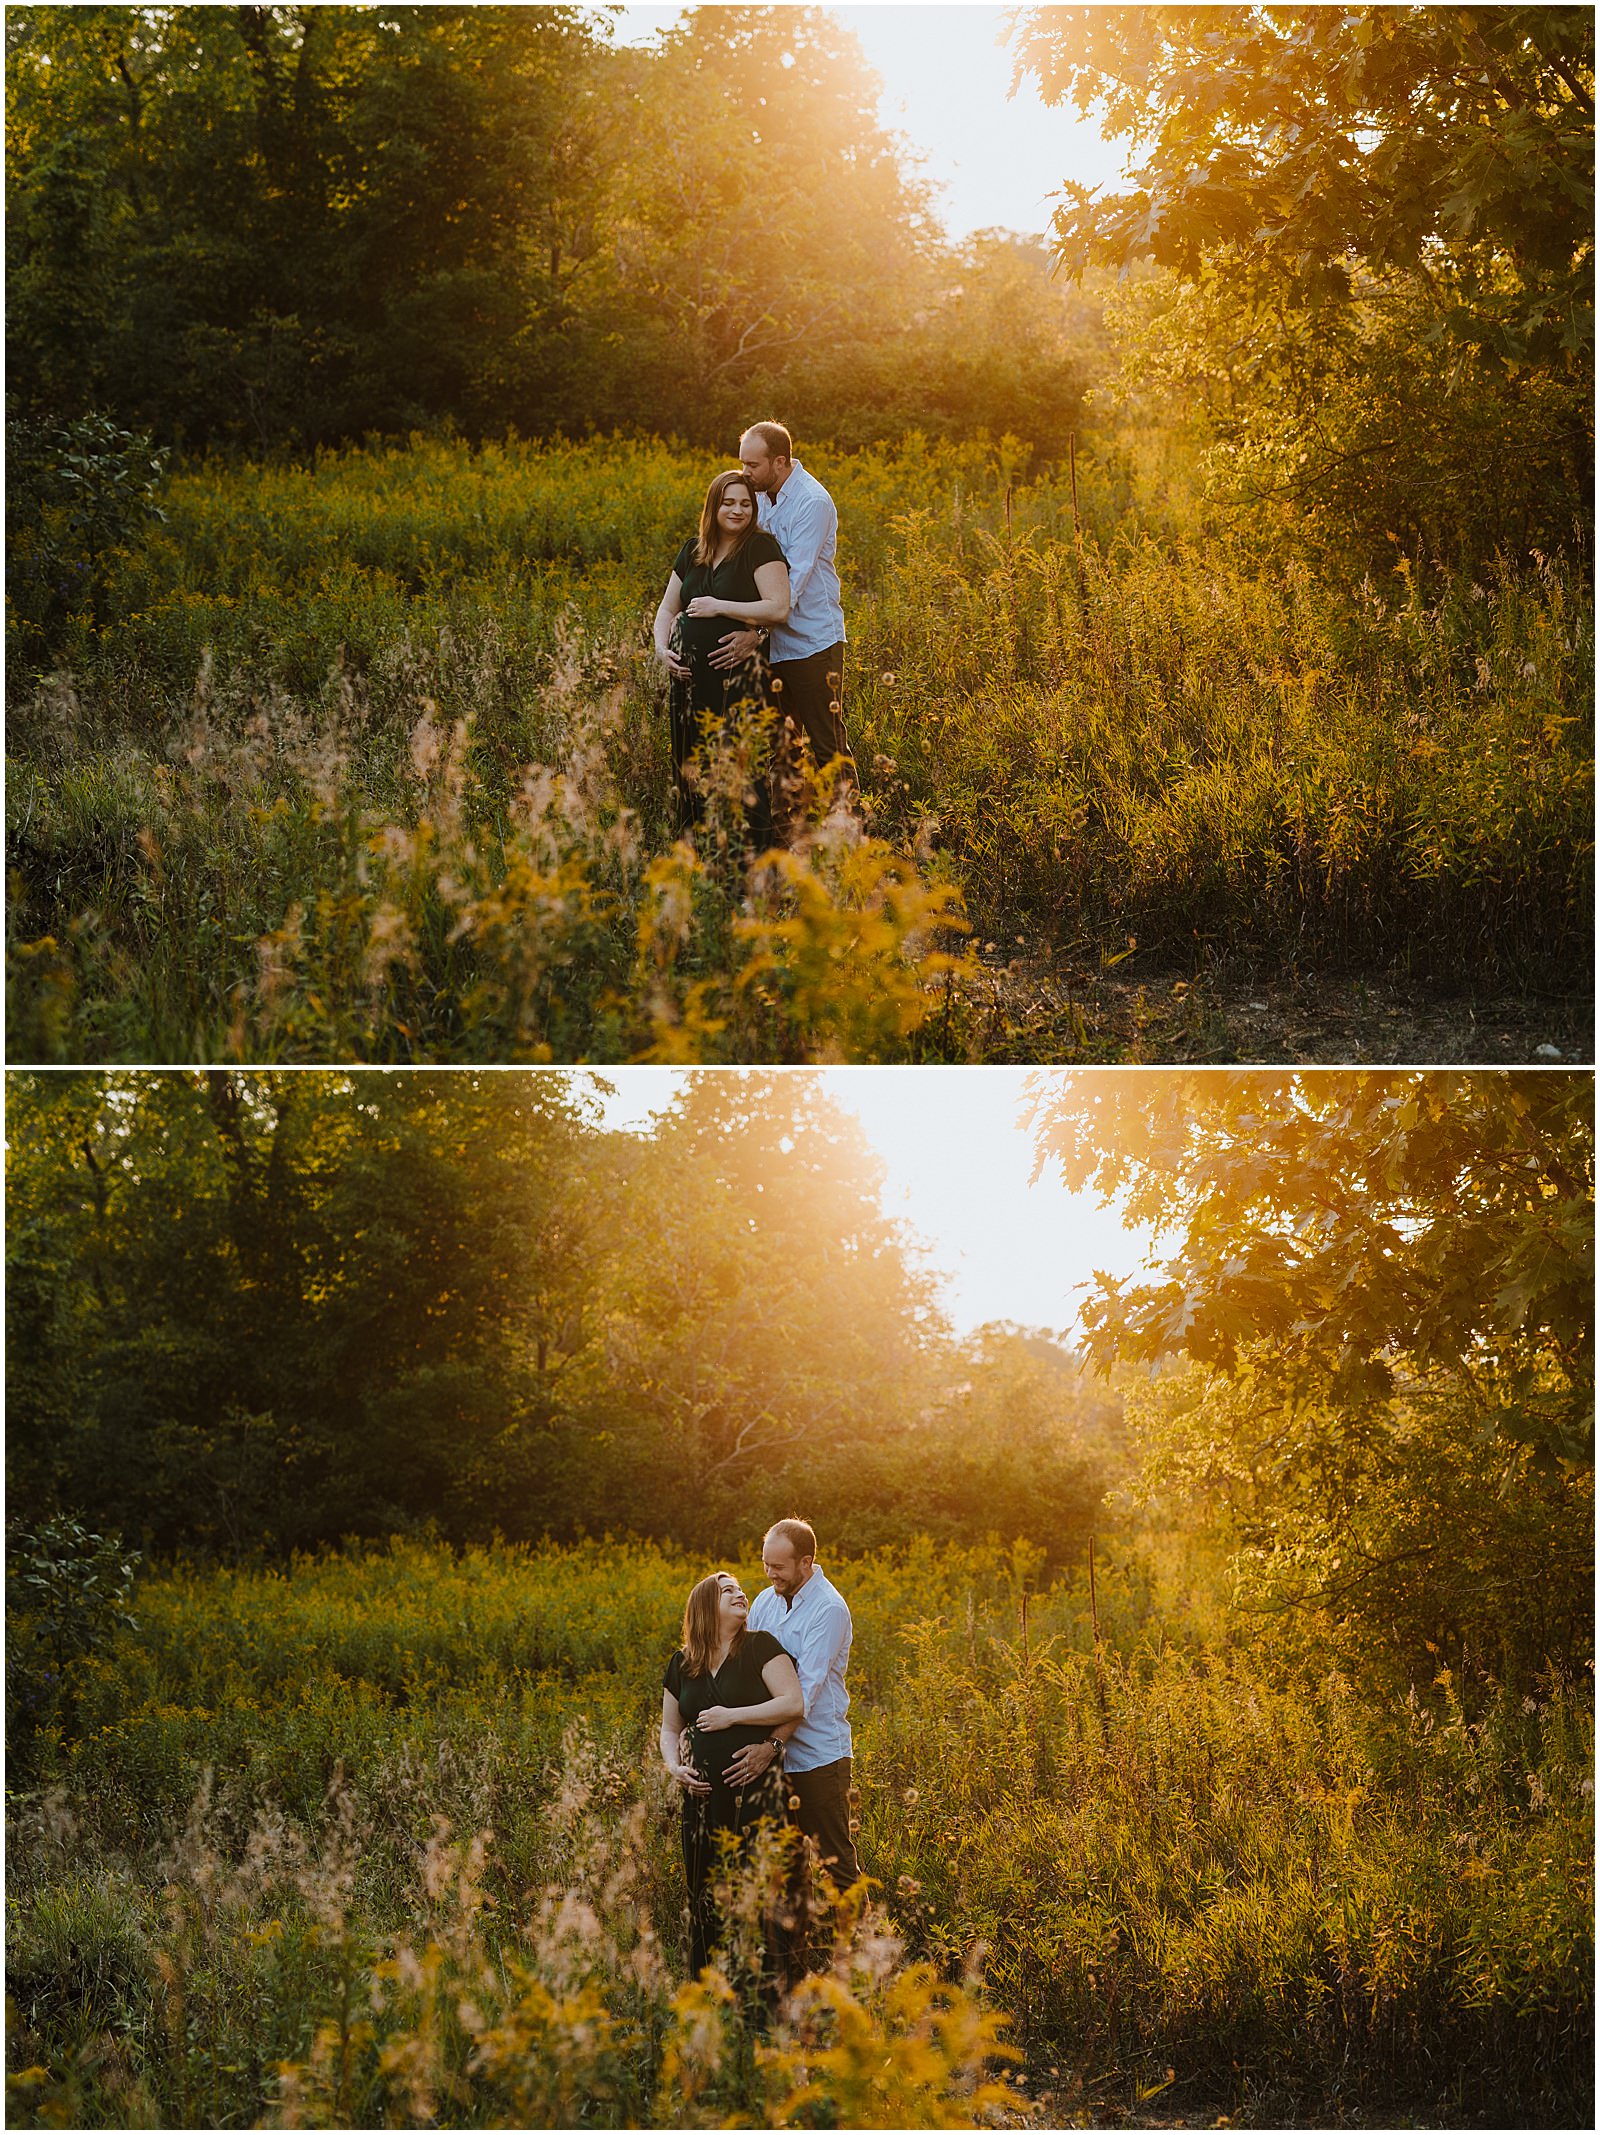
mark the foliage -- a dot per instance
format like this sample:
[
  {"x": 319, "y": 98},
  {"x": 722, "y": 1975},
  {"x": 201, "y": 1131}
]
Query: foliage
[
  {"x": 266, "y": 1887},
  {"x": 270, "y": 1310},
  {"x": 75, "y": 492},
  {"x": 1209, "y": 753},
  {"x": 994, "y": 344},
  {"x": 1348, "y": 1221},
  {"x": 274, "y": 226},
  {"x": 67, "y": 1594},
  {"x": 1352, "y": 435},
  {"x": 486, "y": 924},
  {"x": 843, "y": 2077},
  {"x": 1208, "y": 1877},
  {"x": 1394, "y": 1544},
  {"x": 1383, "y": 1288},
  {"x": 1375, "y": 234},
  {"x": 71, "y": 1586},
  {"x": 1454, "y": 146},
  {"x": 566, "y": 2009},
  {"x": 761, "y": 220}
]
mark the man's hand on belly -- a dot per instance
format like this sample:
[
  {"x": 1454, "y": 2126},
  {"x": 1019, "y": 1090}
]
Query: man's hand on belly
[
  {"x": 733, "y": 650},
  {"x": 754, "y": 1759}
]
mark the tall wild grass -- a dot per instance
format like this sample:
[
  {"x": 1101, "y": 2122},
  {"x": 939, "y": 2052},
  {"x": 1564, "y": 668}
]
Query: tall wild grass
[
  {"x": 368, "y": 761},
  {"x": 381, "y": 1838}
]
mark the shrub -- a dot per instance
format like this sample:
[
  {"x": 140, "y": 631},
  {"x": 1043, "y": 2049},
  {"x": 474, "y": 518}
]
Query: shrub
[{"x": 67, "y": 1592}]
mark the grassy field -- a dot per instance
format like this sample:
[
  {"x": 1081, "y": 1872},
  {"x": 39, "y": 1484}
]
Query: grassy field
[
  {"x": 378, "y": 1839},
  {"x": 366, "y": 760}
]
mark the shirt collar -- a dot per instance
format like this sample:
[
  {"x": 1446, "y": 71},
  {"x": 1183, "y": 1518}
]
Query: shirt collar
[{"x": 810, "y": 1583}]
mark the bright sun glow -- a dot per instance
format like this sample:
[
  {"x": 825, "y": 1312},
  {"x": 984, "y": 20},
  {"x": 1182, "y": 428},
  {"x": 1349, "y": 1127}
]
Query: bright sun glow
[
  {"x": 946, "y": 87},
  {"x": 957, "y": 1160}
]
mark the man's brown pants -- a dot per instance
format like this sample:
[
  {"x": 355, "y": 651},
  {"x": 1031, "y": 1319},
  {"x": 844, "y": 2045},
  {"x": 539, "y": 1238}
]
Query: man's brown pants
[
  {"x": 828, "y": 1847},
  {"x": 810, "y": 702}
]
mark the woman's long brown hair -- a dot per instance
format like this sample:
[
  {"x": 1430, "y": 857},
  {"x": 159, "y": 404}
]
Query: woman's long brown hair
[
  {"x": 700, "y": 1624},
  {"x": 705, "y": 548}
]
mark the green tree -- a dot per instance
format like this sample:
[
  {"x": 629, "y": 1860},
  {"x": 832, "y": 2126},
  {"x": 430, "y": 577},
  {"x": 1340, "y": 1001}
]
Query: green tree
[
  {"x": 462, "y": 1233},
  {"x": 1014, "y": 1438},
  {"x": 1373, "y": 235},
  {"x": 67, "y": 1594},
  {"x": 274, "y": 1309},
  {"x": 1395, "y": 1539},
  {"x": 1347, "y": 1223},
  {"x": 759, "y": 218},
  {"x": 989, "y": 339},
  {"x": 762, "y": 1314},
  {"x": 117, "y": 1238},
  {"x": 277, "y": 226},
  {"x": 280, "y": 1308},
  {"x": 1352, "y": 430},
  {"x": 288, "y": 223},
  {"x": 1453, "y": 145},
  {"x": 75, "y": 493},
  {"x": 1373, "y": 1341}
]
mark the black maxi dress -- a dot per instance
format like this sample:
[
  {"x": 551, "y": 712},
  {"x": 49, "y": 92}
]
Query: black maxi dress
[
  {"x": 704, "y": 706},
  {"x": 738, "y": 1809}
]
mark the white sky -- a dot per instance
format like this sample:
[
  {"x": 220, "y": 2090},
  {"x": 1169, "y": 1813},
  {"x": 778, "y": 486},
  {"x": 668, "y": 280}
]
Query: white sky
[
  {"x": 957, "y": 1161},
  {"x": 946, "y": 84}
]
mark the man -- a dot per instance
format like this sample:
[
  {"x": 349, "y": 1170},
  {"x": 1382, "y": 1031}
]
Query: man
[
  {"x": 806, "y": 652},
  {"x": 807, "y": 1615}
]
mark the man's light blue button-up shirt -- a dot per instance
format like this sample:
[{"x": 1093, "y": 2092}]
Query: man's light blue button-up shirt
[
  {"x": 815, "y": 1630},
  {"x": 803, "y": 522}
]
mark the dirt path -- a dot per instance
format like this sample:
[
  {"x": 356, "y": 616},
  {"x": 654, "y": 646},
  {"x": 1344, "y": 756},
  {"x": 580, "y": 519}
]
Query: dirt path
[{"x": 1036, "y": 1007}]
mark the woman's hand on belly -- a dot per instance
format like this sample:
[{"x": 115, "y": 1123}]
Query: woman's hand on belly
[
  {"x": 715, "y": 1718},
  {"x": 685, "y": 1772}
]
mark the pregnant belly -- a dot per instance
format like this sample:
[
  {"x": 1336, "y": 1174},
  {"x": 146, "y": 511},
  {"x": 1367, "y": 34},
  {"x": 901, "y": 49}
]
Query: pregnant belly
[
  {"x": 712, "y": 1754},
  {"x": 700, "y": 635}
]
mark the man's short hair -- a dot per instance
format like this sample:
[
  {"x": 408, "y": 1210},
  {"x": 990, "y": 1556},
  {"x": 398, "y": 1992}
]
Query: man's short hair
[
  {"x": 799, "y": 1534},
  {"x": 780, "y": 445}
]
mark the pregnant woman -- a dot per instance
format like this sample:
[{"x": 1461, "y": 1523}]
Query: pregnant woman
[
  {"x": 730, "y": 573},
  {"x": 726, "y": 1687}
]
